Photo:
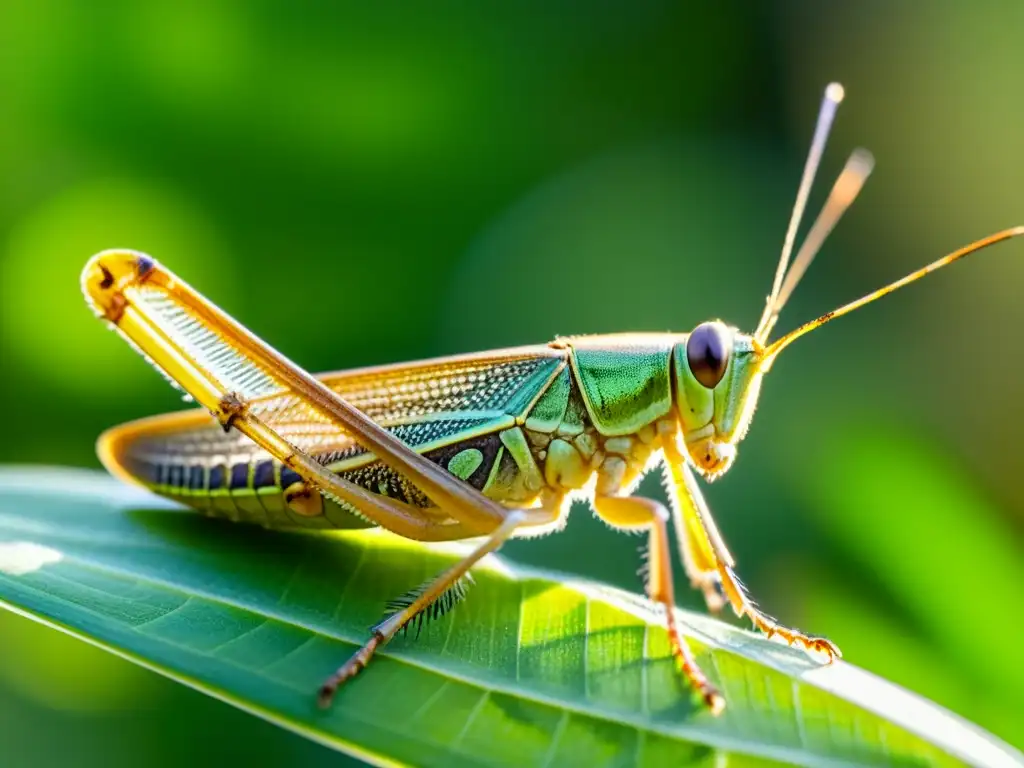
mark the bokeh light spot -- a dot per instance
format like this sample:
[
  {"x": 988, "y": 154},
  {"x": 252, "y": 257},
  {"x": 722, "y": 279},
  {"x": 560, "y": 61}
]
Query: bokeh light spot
[{"x": 196, "y": 52}]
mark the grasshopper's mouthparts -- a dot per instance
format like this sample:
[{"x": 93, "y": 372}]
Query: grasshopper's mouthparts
[{"x": 711, "y": 455}]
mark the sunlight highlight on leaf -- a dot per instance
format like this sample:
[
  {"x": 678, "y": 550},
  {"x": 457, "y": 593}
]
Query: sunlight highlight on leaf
[{"x": 20, "y": 557}]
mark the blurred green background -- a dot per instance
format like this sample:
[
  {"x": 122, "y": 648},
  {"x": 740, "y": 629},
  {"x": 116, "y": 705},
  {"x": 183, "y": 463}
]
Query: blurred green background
[{"x": 367, "y": 183}]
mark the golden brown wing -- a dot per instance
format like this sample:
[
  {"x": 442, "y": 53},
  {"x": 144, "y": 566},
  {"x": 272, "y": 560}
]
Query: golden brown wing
[{"x": 428, "y": 404}]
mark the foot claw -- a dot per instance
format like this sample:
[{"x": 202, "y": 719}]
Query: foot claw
[
  {"x": 713, "y": 700},
  {"x": 351, "y": 668},
  {"x": 811, "y": 644},
  {"x": 825, "y": 647},
  {"x": 818, "y": 647},
  {"x": 326, "y": 695}
]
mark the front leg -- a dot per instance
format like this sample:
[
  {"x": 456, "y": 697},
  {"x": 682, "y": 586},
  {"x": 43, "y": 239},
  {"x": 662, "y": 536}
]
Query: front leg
[{"x": 693, "y": 520}]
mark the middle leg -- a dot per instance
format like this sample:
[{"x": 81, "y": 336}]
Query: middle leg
[{"x": 637, "y": 513}]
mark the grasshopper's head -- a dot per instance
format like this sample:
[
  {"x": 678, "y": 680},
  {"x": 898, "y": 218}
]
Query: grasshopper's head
[{"x": 718, "y": 373}]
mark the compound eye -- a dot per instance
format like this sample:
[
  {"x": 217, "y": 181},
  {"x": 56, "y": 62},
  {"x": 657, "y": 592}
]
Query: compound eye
[{"x": 707, "y": 353}]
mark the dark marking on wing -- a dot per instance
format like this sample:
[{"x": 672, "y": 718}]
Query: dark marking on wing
[
  {"x": 148, "y": 472},
  {"x": 381, "y": 479},
  {"x": 239, "y": 476},
  {"x": 507, "y": 471},
  {"x": 489, "y": 445},
  {"x": 289, "y": 476},
  {"x": 415, "y": 435},
  {"x": 197, "y": 478},
  {"x": 263, "y": 474}
]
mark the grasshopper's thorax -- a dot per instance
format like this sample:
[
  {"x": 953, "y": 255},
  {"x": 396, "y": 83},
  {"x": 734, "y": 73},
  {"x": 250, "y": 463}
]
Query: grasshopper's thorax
[
  {"x": 570, "y": 462},
  {"x": 717, "y": 377},
  {"x": 601, "y": 420},
  {"x": 622, "y": 396}
]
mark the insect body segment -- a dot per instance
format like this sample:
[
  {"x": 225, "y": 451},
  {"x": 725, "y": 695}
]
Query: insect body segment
[{"x": 485, "y": 446}]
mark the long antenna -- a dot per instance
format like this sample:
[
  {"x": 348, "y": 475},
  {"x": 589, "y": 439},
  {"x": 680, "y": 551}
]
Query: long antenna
[
  {"x": 844, "y": 192},
  {"x": 778, "y": 345},
  {"x": 833, "y": 96}
]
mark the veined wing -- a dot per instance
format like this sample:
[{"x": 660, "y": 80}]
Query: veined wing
[{"x": 427, "y": 404}]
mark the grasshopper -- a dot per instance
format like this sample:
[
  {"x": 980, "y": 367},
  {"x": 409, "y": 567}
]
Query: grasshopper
[{"x": 482, "y": 446}]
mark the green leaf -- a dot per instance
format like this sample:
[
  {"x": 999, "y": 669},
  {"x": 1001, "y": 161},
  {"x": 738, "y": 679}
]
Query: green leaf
[{"x": 534, "y": 669}]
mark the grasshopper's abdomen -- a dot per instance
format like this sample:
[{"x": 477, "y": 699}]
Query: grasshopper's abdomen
[{"x": 188, "y": 458}]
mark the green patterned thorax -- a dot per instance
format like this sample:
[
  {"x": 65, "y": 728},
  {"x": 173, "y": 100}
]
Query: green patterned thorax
[
  {"x": 549, "y": 411},
  {"x": 625, "y": 380}
]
